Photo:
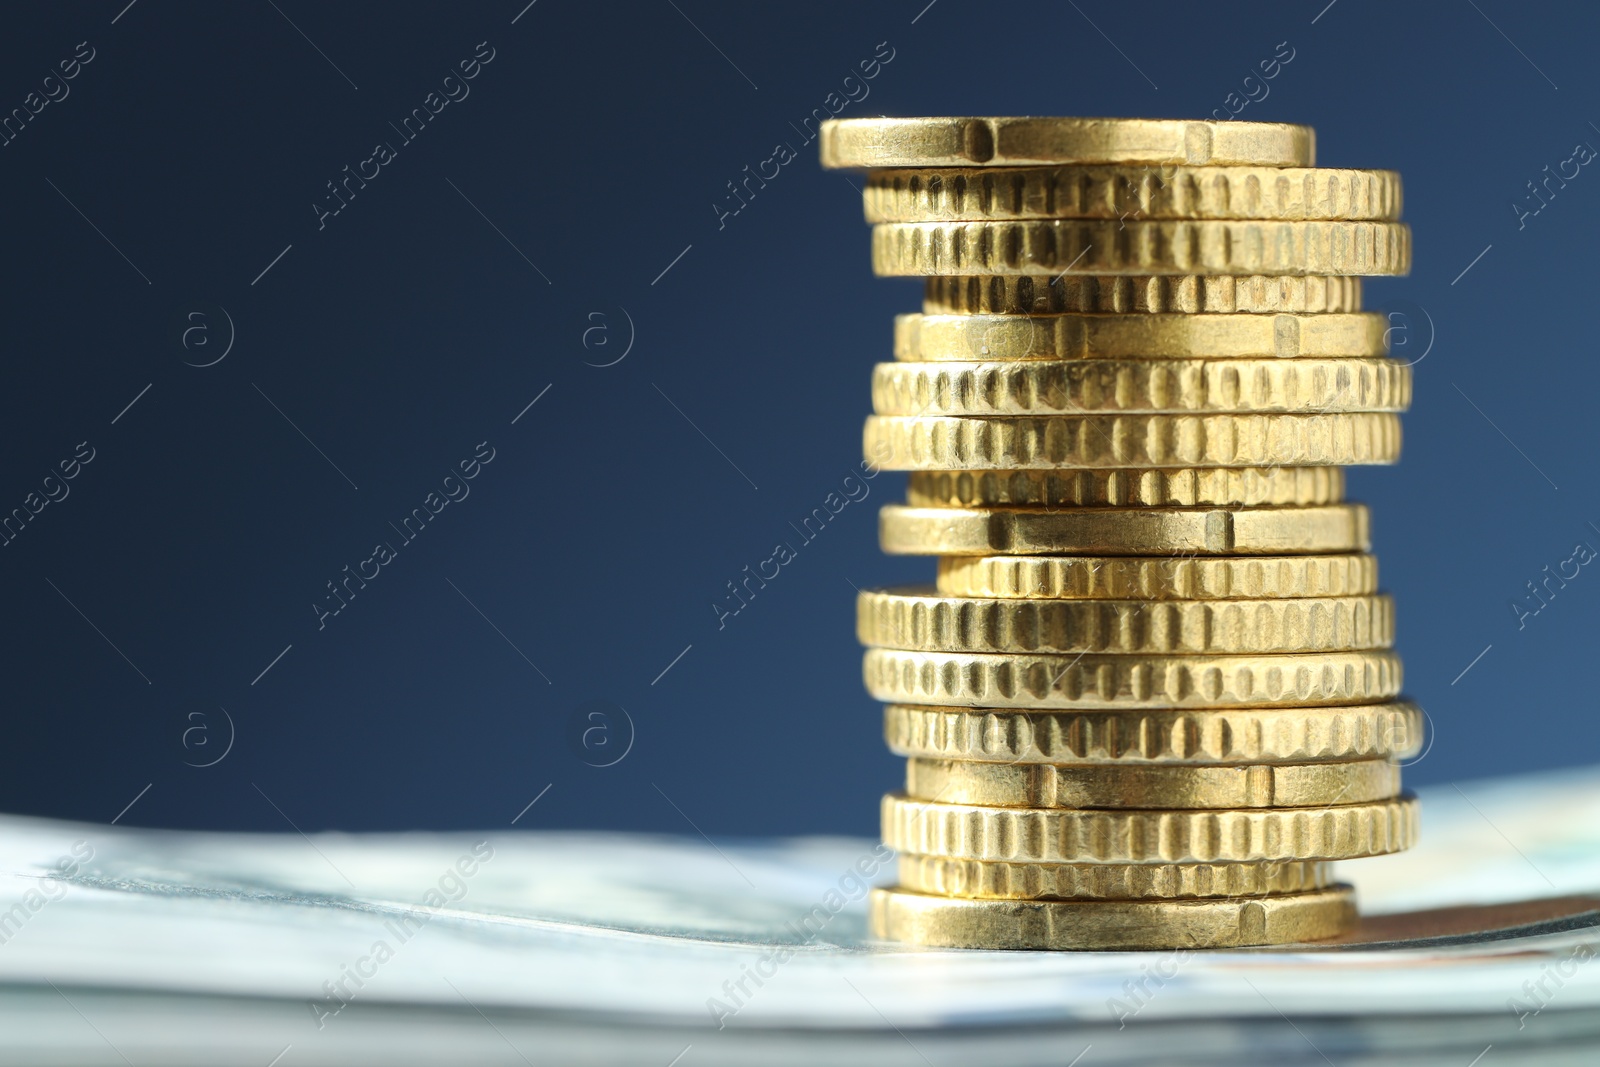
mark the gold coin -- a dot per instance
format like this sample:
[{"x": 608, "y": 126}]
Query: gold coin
[
  {"x": 1062, "y": 835},
  {"x": 929, "y": 442},
  {"x": 1152, "y": 578},
  {"x": 1124, "y": 488},
  {"x": 963, "y": 194},
  {"x": 907, "y": 531},
  {"x": 946, "y": 922},
  {"x": 918, "y": 620},
  {"x": 1153, "y": 386},
  {"x": 1222, "y": 294},
  {"x": 1065, "y": 246},
  {"x": 966, "y": 141},
  {"x": 924, "y": 338},
  {"x": 1047, "y": 785},
  {"x": 978, "y": 880},
  {"x": 1229, "y": 736},
  {"x": 1131, "y": 683}
]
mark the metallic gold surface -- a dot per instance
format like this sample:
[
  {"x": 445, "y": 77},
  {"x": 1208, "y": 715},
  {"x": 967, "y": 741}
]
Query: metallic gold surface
[
  {"x": 947, "y": 922},
  {"x": 1156, "y": 578},
  {"x": 1178, "y": 487},
  {"x": 1022, "y": 442},
  {"x": 1225, "y": 736},
  {"x": 1029, "y": 294},
  {"x": 1067, "y": 246},
  {"x": 922, "y": 338},
  {"x": 918, "y": 620},
  {"x": 1130, "y": 682},
  {"x": 1062, "y": 835},
  {"x": 1155, "y": 386},
  {"x": 907, "y": 531},
  {"x": 1047, "y": 785},
  {"x": 966, "y": 141},
  {"x": 1151, "y": 692},
  {"x": 978, "y": 880},
  {"x": 961, "y": 194}
]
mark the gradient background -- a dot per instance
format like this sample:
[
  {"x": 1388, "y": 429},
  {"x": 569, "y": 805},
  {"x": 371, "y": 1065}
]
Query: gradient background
[{"x": 586, "y": 558}]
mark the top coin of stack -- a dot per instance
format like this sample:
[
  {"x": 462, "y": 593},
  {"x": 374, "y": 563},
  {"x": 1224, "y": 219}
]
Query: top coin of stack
[{"x": 1152, "y": 692}]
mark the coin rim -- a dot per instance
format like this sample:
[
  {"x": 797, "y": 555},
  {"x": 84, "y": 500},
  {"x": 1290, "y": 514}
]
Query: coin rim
[
  {"x": 1242, "y": 727},
  {"x": 1101, "y": 925}
]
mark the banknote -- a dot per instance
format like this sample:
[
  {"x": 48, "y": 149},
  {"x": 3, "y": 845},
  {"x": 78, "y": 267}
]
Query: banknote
[{"x": 123, "y": 945}]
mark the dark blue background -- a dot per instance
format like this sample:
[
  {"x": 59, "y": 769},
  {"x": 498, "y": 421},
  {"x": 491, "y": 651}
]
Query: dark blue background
[{"x": 409, "y": 329}]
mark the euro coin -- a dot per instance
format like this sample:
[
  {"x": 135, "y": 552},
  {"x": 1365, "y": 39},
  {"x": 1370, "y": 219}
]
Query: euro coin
[
  {"x": 1033, "y": 442},
  {"x": 1092, "y": 246},
  {"x": 1129, "y": 683},
  {"x": 956, "y": 142},
  {"x": 1047, "y": 785},
  {"x": 947, "y": 922},
  {"x": 979, "y": 880},
  {"x": 1157, "y": 578},
  {"x": 964, "y": 194},
  {"x": 1140, "y": 387},
  {"x": 1167, "y": 487},
  {"x": 1209, "y": 735},
  {"x": 1064, "y": 835},
  {"x": 922, "y": 338},
  {"x": 919, "y": 620},
  {"x": 1155, "y": 294},
  {"x": 907, "y": 531}
]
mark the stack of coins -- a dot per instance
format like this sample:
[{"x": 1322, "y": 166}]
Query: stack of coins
[{"x": 1152, "y": 692}]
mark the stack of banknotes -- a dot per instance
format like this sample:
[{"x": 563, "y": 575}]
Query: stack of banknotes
[{"x": 121, "y": 945}]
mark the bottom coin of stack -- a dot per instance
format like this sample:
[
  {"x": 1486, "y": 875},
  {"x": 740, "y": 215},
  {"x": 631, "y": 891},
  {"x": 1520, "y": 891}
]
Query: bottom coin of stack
[{"x": 1135, "y": 752}]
